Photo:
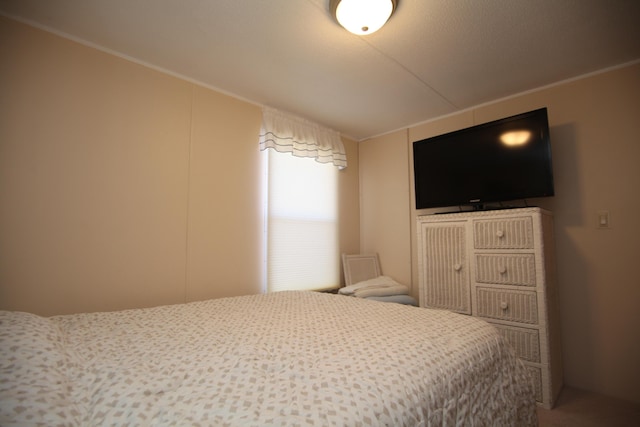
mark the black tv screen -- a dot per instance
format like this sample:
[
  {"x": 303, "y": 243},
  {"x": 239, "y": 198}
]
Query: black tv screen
[{"x": 503, "y": 160}]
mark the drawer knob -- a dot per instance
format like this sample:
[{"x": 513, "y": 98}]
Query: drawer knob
[
  {"x": 502, "y": 269},
  {"x": 504, "y": 305},
  {"x": 500, "y": 233},
  {"x": 457, "y": 267}
]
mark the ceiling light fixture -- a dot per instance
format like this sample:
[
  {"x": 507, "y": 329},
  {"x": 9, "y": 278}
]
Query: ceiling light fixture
[{"x": 362, "y": 17}]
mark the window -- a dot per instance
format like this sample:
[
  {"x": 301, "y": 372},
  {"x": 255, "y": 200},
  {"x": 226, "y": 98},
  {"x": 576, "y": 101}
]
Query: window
[
  {"x": 302, "y": 250},
  {"x": 302, "y": 160}
]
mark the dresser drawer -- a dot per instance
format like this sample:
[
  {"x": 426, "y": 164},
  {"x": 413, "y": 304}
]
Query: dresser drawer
[
  {"x": 506, "y": 233},
  {"x": 536, "y": 381},
  {"x": 525, "y": 342},
  {"x": 510, "y": 269},
  {"x": 514, "y": 306}
]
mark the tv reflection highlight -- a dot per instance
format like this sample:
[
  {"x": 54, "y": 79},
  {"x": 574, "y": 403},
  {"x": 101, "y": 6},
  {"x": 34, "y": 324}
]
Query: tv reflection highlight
[{"x": 515, "y": 138}]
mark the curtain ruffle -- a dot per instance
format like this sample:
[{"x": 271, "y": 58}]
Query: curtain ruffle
[{"x": 302, "y": 138}]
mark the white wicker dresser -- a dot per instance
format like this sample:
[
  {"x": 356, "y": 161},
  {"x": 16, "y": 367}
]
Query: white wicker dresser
[{"x": 498, "y": 265}]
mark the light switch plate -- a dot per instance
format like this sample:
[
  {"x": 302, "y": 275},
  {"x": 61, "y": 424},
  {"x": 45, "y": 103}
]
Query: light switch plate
[{"x": 604, "y": 219}]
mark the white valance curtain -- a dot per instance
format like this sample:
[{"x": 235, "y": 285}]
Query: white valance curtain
[{"x": 286, "y": 133}]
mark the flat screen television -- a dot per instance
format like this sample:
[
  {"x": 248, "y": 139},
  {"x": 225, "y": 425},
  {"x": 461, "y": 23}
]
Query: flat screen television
[{"x": 499, "y": 161}]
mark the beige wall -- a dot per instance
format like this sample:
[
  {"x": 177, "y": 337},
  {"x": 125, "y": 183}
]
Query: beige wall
[
  {"x": 595, "y": 128},
  {"x": 121, "y": 186},
  {"x": 384, "y": 199},
  {"x": 224, "y": 209}
]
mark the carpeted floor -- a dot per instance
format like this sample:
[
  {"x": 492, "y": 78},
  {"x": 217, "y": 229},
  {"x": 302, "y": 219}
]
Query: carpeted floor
[{"x": 578, "y": 408}]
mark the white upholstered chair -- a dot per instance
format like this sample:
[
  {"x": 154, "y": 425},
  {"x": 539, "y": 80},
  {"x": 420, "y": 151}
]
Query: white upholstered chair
[
  {"x": 358, "y": 268},
  {"x": 366, "y": 268}
]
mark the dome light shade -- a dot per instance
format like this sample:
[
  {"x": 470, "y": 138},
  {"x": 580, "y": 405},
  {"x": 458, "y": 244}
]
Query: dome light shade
[{"x": 362, "y": 17}]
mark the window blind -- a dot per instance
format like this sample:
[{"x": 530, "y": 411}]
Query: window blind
[{"x": 302, "y": 224}]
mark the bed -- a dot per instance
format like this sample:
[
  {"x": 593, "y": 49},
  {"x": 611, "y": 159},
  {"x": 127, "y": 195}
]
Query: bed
[{"x": 284, "y": 358}]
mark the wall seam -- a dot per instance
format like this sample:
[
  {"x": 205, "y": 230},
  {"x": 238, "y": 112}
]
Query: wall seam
[{"x": 188, "y": 210}]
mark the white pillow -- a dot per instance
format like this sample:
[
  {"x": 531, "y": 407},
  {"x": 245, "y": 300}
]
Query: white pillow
[
  {"x": 377, "y": 282},
  {"x": 382, "y": 291}
]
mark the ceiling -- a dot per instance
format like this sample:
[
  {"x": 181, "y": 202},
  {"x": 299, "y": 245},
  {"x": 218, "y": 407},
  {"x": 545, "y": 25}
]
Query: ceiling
[{"x": 433, "y": 58}]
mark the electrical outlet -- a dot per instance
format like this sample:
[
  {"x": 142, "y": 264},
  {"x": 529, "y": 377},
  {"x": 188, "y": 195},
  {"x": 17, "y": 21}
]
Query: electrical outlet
[{"x": 604, "y": 221}]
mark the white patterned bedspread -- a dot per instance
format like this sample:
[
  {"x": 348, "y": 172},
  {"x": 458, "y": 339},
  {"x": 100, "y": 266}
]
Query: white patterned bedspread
[{"x": 287, "y": 358}]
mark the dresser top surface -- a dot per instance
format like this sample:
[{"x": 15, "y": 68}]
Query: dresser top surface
[{"x": 498, "y": 213}]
